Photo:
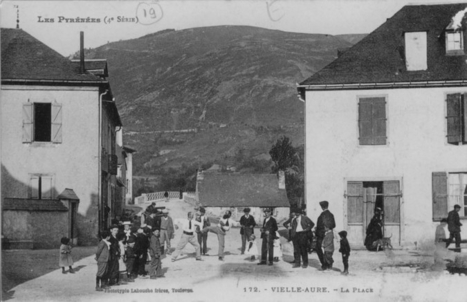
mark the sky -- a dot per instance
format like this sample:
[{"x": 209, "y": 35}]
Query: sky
[{"x": 304, "y": 16}]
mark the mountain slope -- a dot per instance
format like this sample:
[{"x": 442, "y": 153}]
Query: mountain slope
[{"x": 233, "y": 85}]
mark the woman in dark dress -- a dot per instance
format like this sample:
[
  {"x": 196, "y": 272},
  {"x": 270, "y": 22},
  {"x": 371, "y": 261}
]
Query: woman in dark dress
[{"x": 374, "y": 231}]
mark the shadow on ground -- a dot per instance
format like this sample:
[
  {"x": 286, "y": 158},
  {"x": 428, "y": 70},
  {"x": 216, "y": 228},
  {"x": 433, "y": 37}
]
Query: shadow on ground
[
  {"x": 19, "y": 266},
  {"x": 246, "y": 270}
]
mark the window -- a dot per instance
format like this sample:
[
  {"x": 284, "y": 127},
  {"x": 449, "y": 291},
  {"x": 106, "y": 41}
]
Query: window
[
  {"x": 42, "y": 122},
  {"x": 416, "y": 51},
  {"x": 449, "y": 189},
  {"x": 364, "y": 196},
  {"x": 456, "y": 115},
  {"x": 372, "y": 121},
  {"x": 454, "y": 42},
  {"x": 41, "y": 186}
]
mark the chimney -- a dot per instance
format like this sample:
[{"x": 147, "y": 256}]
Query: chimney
[{"x": 81, "y": 52}]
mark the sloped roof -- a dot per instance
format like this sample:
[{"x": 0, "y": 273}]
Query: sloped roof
[
  {"x": 26, "y": 58},
  {"x": 23, "y": 204},
  {"x": 241, "y": 190},
  {"x": 68, "y": 194},
  {"x": 380, "y": 56}
]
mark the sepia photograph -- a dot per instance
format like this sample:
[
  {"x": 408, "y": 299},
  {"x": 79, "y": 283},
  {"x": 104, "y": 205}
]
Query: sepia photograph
[{"x": 233, "y": 150}]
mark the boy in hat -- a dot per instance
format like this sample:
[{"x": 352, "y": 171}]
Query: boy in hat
[
  {"x": 202, "y": 237},
  {"x": 167, "y": 230},
  {"x": 130, "y": 258},
  {"x": 328, "y": 246},
  {"x": 155, "y": 253},
  {"x": 102, "y": 258},
  {"x": 247, "y": 223},
  {"x": 114, "y": 256},
  {"x": 345, "y": 250}
]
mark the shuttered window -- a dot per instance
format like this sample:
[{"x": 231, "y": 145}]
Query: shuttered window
[
  {"x": 41, "y": 186},
  {"x": 372, "y": 121},
  {"x": 42, "y": 122},
  {"x": 440, "y": 195},
  {"x": 364, "y": 197},
  {"x": 456, "y": 118}
]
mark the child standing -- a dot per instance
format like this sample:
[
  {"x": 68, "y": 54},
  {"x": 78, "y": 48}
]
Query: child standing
[
  {"x": 65, "y": 255},
  {"x": 102, "y": 258},
  {"x": 251, "y": 247},
  {"x": 345, "y": 250},
  {"x": 155, "y": 252},
  {"x": 328, "y": 246},
  {"x": 277, "y": 247},
  {"x": 130, "y": 259}
]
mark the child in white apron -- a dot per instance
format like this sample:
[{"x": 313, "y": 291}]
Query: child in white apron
[
  {"x": 277, "y": 247},
  {"x": 251, "y": 247}
]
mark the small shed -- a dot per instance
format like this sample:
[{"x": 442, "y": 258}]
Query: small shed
[{"x": 221, "y": 191}]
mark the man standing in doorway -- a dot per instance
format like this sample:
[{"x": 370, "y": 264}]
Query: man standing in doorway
[
  {"x": 326, "y": 219},
  {"x": 268, "y": 233},
  {"x": 454, "y": 227},
  {"x": 247, "y": 223}
]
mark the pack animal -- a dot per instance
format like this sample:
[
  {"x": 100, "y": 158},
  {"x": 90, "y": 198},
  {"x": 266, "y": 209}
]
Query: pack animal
[{"x": 384, "y": 243}]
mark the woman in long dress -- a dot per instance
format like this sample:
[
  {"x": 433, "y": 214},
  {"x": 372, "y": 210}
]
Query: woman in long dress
[{"x": 374, "y": 231}]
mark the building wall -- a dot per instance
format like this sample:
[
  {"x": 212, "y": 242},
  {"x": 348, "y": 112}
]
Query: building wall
[
  {"x": 129, "y": 178},
  {"x": 74, "y": 162},
  {"x": 416, "y": 130}
]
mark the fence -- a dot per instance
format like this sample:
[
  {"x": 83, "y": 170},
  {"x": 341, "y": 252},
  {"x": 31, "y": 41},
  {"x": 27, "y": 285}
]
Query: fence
[{"x": 149, "y": 197}]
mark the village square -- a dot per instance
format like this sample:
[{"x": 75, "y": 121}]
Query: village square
[{"x": 359, "y": 192}]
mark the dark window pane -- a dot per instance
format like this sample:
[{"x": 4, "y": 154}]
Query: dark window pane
[{"x": 42, "y": 122}]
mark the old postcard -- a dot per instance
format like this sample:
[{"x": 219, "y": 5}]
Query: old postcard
[{"x": 233, "y": 150}]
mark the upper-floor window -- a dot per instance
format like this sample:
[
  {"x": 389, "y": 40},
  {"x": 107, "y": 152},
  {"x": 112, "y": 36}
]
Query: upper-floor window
[
  {"x": 41, "y": 186},
  {"x": 42, "y": 122},
  {"x": 454, "y": 41},
  {"x": 372, "y": 121},
  {"x": 456, "y": 119},
  {"x": 416, "y": 51}
]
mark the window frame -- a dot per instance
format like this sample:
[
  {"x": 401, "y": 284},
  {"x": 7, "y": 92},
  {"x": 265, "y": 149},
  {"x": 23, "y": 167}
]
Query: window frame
[
  {"x": 40, "y": 187},
  {"x": 29, "y": 124},
  {"x": 462, "y": 193},
  {"x": 386, "y": 108},
  {"x": 455, "y": 51},
  {"x": 445, "y": 121}
]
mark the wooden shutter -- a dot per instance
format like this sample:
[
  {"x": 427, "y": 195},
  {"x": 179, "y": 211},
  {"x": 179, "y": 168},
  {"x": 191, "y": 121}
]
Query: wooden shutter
[
  {"x": 56, "y": 123},
  {"x": 34, "y": 186},
  {"x": 379, "y": 121},
  {"x": 440, "y": 195},
  {"x": 392, "y": 194},
  {"x": 454, "y": 121},
  {"x": 365, "y": 122},
  {"x": 46, "y": 186},
  {"x": 27, "y": 122},
  {"x": 372, "y": 121},
  {"x": 355, "y": 202}
]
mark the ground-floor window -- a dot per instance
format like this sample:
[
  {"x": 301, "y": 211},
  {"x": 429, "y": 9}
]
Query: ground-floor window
[
  {"x": 363, "y": 197},
  {"x": 449, "y": 189}
]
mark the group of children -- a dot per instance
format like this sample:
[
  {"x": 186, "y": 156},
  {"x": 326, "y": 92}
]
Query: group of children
[
  {"x": 253, "y": 250},
  {"x": 122, "y": 255}
]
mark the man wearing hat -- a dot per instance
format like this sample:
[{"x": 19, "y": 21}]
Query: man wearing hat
[
  {"x": 247, "y": 223},
  {"x": 326, "y": 219},
  {"x": 202, "y": 236},
  {"x": 268, "y": 233},
  {"x": 114, "y": 256},
  {"x": 454, "y": 227},
  {"x": 167, "y": 230},
  {"x": 301, "y": 226}
]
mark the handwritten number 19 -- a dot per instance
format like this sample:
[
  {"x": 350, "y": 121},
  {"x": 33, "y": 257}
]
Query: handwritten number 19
[{"x": 152, "y": 13}]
